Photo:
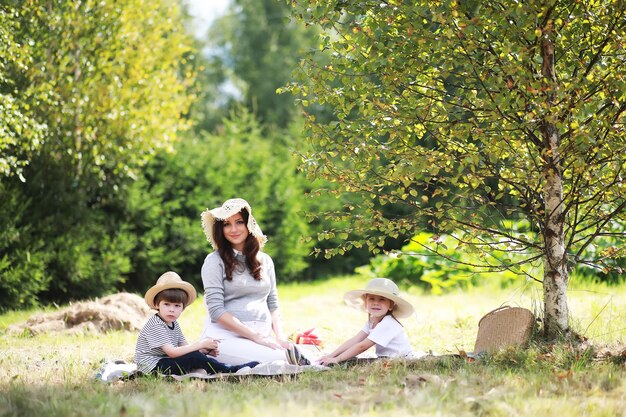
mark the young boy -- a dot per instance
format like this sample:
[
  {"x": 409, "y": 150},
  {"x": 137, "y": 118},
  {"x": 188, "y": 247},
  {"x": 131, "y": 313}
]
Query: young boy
[{"x": 161, "y": 346}]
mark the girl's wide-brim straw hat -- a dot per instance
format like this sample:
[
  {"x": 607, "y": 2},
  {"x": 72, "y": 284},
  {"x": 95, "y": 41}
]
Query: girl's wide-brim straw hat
[
  {"x": 385, "y": 288},
  {"x": 229, "y": 208},
  {"x": 168, "y": 281}
]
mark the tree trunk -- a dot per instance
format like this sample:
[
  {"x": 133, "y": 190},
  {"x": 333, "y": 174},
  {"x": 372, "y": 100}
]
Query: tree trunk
[
  {"x": 555, "y": 275},
  {"x": 555, "y": 272}
]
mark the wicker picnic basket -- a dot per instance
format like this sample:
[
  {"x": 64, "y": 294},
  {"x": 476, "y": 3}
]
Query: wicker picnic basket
[{"x": 505, "y": 326}]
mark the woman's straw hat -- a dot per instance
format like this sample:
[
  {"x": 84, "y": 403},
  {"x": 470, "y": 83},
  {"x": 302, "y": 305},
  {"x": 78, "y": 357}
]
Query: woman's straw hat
[
  {"x": 385, "y": 288},
  {"x": 229, "y": 208},
  {"x": 168, "y": 281}
]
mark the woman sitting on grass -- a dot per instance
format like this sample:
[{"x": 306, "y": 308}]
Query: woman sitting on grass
[
  {"x": 381, "y": 299},
  {"x": 240, "y": 293}
]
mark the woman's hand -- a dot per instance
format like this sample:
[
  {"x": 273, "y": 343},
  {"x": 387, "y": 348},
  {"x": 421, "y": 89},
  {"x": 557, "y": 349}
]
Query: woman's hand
[
  {"x": 285, "y": 344},
  {"x": 266, "y": 341}
]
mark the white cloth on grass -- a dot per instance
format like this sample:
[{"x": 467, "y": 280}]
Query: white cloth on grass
[{"x": 237, "y": 350}]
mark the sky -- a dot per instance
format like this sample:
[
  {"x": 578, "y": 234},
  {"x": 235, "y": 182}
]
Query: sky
[{"x": 204, "y": 11}]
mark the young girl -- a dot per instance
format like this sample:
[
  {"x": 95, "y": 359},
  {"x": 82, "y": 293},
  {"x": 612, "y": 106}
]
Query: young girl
[
  {"x": 381, "y": 299},
  {"x": 161, "y": 346}
]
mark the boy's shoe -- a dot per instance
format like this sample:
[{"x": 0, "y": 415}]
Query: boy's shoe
[{"x": 294, "y": 357}]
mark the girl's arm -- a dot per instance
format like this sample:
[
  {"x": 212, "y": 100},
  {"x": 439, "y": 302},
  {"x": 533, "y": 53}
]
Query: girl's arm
[
  {"x": 359, "y": 337},
  {"x": 357, "y": 344},
  {"x": 176, "y": 351}
]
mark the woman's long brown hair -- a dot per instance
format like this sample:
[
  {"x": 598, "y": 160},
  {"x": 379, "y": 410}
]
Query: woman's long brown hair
[{"x": 250, "y": 249}]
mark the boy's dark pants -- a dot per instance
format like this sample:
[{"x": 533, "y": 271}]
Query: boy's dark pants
[{"x": 196, "y": 360}]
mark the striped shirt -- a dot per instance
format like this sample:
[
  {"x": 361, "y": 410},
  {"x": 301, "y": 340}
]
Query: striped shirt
[{"x": 154, "y": 335}]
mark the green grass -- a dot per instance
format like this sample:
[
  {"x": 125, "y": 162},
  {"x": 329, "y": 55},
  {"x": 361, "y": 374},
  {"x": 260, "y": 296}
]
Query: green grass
[{"x": 52, "y": 375}]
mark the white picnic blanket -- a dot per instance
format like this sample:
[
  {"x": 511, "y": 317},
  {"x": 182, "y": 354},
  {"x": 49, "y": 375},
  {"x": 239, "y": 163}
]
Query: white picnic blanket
[
  {"x": 264, "y": 369},
  {"x": 112, "y": 371}
]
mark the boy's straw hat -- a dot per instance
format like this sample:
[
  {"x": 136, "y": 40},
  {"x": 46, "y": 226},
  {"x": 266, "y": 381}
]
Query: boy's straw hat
[
  {"x": 229, "y": 208},
  {"x": 383, "y": 287},
  {"x": 168, "y": 281}
]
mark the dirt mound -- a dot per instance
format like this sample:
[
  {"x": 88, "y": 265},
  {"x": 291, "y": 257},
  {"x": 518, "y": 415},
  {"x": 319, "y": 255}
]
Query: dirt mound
[{"x": 122, "y": 311}]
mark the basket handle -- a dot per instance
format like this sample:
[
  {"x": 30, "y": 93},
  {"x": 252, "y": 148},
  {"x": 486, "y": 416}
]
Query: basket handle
[{"x": 493, "y": 311}]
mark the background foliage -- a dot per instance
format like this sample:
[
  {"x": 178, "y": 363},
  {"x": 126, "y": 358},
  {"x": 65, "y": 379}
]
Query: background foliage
[
  {"x": 98, "y": 88},
  {"x": 440, "y": 109},
  {"x": 102, "y": 179},
  {"x": 469, "y": 115},
  {"x": 118, "y": 129}
]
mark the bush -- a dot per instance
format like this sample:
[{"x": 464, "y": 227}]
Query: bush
[
  {"x": 55, "y": 246},
  {"x": 413, "y": 265}
]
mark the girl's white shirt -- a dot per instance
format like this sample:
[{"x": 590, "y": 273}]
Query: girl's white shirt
[{"x": 390, "y": 338}]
